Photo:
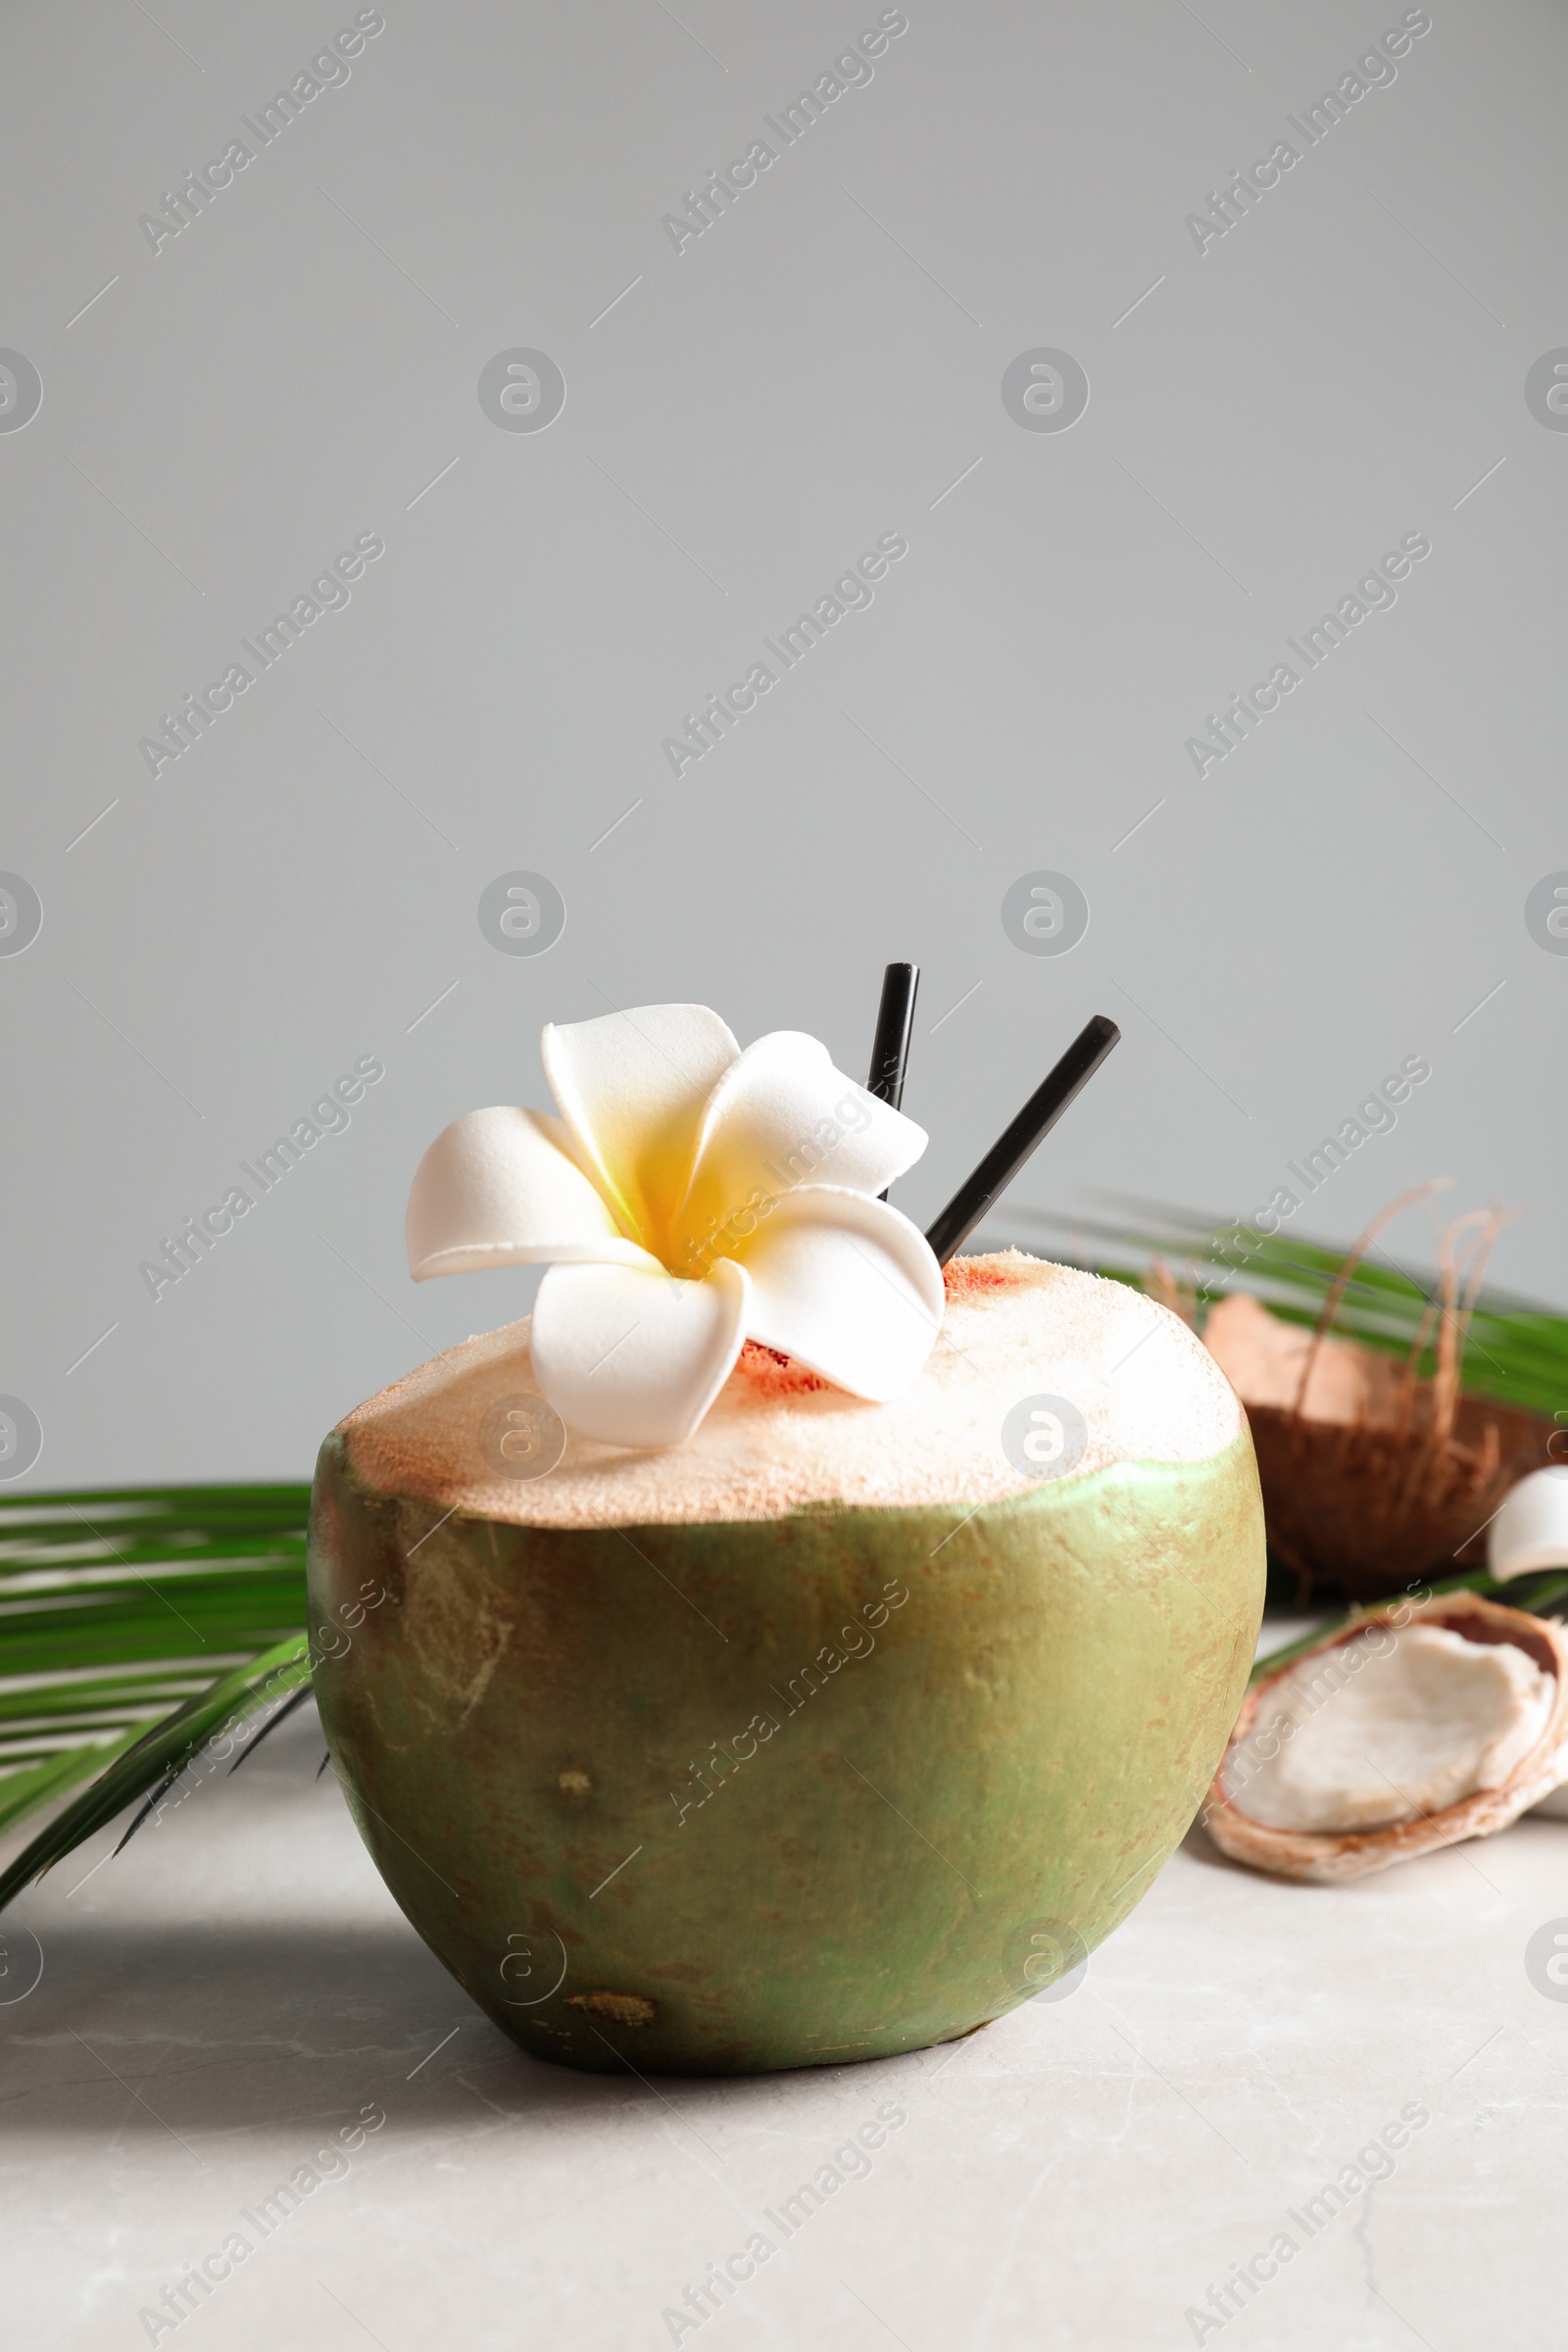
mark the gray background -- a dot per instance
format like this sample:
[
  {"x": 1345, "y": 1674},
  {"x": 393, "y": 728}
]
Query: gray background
[{"x": 819, "y": 368}]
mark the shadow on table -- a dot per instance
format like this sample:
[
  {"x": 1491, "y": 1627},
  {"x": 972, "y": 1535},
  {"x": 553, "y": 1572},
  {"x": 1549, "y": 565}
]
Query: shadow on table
[{"x": 191, "y": 2027}]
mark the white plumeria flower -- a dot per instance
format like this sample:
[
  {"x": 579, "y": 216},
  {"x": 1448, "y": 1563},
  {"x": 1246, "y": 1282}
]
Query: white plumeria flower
[{"x": 689, "y": 1198}]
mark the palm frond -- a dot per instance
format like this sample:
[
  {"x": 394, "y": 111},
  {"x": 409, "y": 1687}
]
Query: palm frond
[
  {"x": 125, "y": 1616},
  {"x": 159, "y": 1754},
  {"x": 1517, "y": 1352}
]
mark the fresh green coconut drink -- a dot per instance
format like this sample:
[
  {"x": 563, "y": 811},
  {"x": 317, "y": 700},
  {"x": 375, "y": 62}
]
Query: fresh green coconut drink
[{"x": 772, "y": 1653}]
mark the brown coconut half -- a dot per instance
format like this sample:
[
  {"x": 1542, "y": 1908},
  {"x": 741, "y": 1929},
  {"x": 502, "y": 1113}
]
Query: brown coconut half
[
  {"x": 1367, "y": 1480},
  {"x": 1325, "y": 1857},
  {"x": 1371, "y": 1476}
]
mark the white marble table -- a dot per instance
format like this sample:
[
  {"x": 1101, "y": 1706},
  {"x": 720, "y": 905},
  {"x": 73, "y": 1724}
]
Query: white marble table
[{"x": 232, "y": 1993}]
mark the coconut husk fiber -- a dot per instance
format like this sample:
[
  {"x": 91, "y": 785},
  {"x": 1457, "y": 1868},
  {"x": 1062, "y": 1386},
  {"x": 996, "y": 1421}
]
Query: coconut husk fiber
[{"x": 1373, "y": 1477}]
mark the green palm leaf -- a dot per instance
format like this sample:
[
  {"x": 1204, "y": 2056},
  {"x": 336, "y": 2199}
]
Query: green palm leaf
[{"x": 132, "y": 1623}]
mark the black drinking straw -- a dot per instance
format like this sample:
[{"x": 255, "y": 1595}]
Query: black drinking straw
[
  {"x": 895, "y": 1024},
  {"x": 980, "y": 1192},
  {"x": 895, "y": 1019}
]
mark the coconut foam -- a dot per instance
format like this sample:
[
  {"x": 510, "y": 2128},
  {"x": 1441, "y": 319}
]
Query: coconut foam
[{"x": 779, "y": 1439}]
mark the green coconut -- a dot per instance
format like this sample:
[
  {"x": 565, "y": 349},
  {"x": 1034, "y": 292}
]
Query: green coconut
[{"x": 838, "y": 1730}]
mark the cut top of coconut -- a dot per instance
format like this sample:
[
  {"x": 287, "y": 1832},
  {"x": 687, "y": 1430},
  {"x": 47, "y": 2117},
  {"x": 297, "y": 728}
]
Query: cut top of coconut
[
  {"x": 1016, "y": 1331},
  {"x": 1392, "y": 1725}
]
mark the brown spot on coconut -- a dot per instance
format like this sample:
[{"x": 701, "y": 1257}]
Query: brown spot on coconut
[
  {"x": 617, "y": 2008},
  {"x": 1401, "y": 1731},
  {"x": 1370, "y": 1475}
]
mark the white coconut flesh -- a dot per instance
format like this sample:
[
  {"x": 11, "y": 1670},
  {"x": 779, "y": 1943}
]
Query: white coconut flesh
[
  {"x": 1390, "y": 1726},
  {"x": 778, "y": 1439},
  {"x": 1531, "y": 1530}
]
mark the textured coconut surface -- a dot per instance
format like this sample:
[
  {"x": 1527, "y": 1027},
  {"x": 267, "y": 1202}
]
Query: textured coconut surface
[{"x": 779, "y": 1439}]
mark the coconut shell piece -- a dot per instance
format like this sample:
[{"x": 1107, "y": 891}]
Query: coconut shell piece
[
  {"x": 1369, "y": 1478},
  {"x": 1325, "y": 1857},
  {"x": 1531, "y": 1530}
]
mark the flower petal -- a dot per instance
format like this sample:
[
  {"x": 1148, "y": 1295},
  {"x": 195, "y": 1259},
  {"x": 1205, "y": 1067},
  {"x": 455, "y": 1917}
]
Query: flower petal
[
  {"x": 782, "y": 1116},
  {"x": 848, "y": 1287},
  {"x": 632, "y": 1086},
  {"x": 498, "y": 1188},
  {"x": 630, "y": 1354}
]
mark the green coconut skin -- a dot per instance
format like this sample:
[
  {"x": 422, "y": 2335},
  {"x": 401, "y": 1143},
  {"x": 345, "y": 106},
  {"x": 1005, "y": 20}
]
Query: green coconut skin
[{"x": 1017, "y": 1747}]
